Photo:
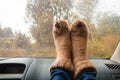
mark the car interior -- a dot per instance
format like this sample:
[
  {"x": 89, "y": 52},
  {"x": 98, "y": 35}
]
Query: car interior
[{"x": 26, "y": 43}]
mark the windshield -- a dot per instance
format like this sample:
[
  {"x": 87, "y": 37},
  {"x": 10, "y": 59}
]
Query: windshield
[{"x": 26, "y": 25}]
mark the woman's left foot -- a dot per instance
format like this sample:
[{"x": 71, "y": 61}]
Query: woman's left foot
[{"x": 61, "y": 35}]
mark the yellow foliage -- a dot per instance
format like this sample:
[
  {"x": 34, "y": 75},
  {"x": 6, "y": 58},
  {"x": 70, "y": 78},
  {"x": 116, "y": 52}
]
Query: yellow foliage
[
  {"x": 12, "y": 52},
  {"x": 103, "y": 47},
  {"x": 45, "y": 52}
]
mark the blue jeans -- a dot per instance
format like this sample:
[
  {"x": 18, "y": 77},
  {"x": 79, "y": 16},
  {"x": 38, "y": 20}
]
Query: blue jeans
[{"x": 62, "y": 74}]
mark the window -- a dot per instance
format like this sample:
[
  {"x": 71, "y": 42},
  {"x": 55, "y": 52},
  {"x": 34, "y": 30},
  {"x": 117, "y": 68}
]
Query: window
[{"x": 26, "y": 25}]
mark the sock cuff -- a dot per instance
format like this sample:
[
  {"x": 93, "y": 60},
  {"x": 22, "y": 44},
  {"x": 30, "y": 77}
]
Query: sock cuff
[
  {"x": 65, "y": 64},
  {"x": 81, "y": 65}
]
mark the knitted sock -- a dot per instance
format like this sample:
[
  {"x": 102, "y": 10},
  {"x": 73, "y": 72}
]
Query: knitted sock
[
  {"x": 61, "y": 35},
  {"x": 79, "y": 36}
]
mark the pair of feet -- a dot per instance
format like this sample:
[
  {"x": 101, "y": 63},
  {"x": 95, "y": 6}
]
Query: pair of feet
[{"x": 71, "y": 46}]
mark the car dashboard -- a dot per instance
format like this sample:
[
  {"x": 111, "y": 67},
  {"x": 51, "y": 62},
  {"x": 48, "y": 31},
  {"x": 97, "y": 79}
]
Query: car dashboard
[{"x": 37, "y": 69}]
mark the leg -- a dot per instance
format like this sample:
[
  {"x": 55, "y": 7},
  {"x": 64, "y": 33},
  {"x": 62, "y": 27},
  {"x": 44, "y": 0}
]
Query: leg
[
  {"x": 86, "y": 74},
  {"x": 60, "y": 74},
  {"x": 79, "y": 35},
  {"x": 61, "y": 35}
]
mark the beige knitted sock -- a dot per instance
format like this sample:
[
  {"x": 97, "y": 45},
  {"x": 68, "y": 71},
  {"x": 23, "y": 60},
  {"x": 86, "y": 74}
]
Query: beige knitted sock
[
  {"x": 79, "y": 35},
  {"x": 61, "y": 35}
]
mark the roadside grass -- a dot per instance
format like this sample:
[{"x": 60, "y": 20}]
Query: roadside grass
[{"x": 103, "y": 47}]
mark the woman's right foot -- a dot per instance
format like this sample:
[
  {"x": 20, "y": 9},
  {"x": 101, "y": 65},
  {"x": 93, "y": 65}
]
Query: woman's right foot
[{"x": 79, "y": 36}]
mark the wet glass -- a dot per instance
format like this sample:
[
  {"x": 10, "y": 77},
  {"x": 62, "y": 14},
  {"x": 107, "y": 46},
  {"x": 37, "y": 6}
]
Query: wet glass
[{"x": 26, "y": 25}]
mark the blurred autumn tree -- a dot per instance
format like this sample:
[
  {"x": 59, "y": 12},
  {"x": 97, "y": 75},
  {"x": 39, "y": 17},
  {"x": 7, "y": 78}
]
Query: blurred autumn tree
[
  {"x": 109, "y": 25},
  {"x": 6, "y": 32},
  {"x": 6, "y": 35},
  {"x": 108, "y": 29},
  {"x": 42, "y": 14},
  {"x": 21, "y": 40},
  {"x": 13, "y": 44},
  {"x": 85, "y": 10}
]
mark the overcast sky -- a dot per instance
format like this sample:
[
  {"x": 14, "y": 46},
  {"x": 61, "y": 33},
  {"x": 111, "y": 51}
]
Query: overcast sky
[{"x": 12, "y": 12}]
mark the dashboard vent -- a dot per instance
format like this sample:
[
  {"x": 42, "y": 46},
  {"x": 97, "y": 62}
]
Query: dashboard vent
[
  {"x": 12, "y": 68},
  {"x": 113, "y": 66}
]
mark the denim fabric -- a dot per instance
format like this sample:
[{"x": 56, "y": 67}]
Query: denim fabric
[
  {"x": 87, "y": 74},
  {"x": 62, "y": 74}
]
